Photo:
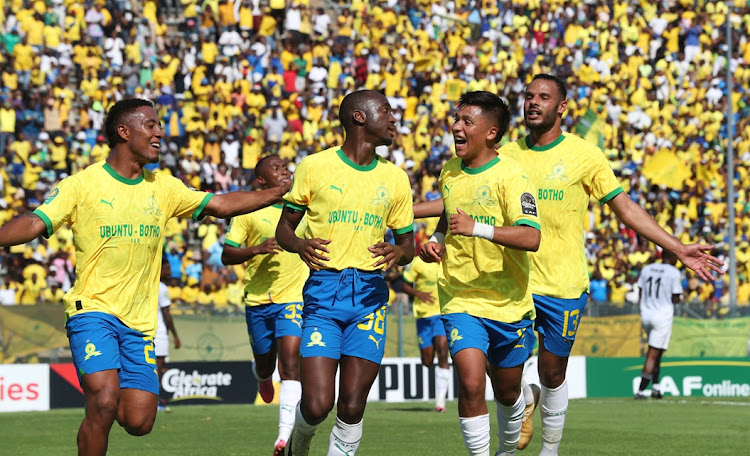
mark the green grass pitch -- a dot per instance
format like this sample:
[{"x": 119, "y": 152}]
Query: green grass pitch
[{"x": 614, "y": 427}]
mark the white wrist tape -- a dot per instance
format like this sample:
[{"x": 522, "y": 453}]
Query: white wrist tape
[
  {"x": 438, "y": 237},
  {"x": 484, "y": 231}
]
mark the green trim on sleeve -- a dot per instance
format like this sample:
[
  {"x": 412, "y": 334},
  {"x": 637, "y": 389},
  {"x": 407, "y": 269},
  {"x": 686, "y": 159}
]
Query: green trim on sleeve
[
  {"x": 296, "y": 207},
  {"x": 198, "y": 212},
  {"x": 231, "y": 243},
  {"x": 611, "y": 195},
  {"x": 528, "y": 222},
  {"x": 405, "y": 229},
  {"x": 46, "y": 221}
]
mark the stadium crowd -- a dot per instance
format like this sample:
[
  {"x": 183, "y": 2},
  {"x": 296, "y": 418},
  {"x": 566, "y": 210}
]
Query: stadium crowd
[{"x": 235, "y": 80}]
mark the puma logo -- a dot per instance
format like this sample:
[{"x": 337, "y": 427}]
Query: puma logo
[
  {"x": 377, "y": 341},
  {"x": 338, "y": 189},
  {"x": 103, "y": 201}
]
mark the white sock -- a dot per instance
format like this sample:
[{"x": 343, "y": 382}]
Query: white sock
[
  {"x": 442, "y": 377},
  {"x": 656, "y": 387},
  {"x": 528, "y": 395},
  {"x": 302, "y": 434},
  {"x": 344, "y": 439},
  {"x": 257, "y": 377},
  {"x": 509, "y": 420},
  {"x": 291, "y": 391},
  {"x": 476, "y": 432},
  {"x": 554, "y": 404}
]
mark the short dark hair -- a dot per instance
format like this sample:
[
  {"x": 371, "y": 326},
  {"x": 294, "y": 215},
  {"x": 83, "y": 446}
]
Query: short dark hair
[
  {"x": 558, "y": 82},
  {"x": 492, "y": 106},
  {"x": 117, "y": 115},
  {"x": 353, "y": 102}
]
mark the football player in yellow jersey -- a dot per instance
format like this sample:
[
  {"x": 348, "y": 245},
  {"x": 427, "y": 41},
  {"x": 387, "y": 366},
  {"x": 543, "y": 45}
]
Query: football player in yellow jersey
[
  {"x": 351, "y": 196},
  {"x": 118, "y": 211},
  {"x": 489, "y": 223},
  {"x": 273, "y": 297},
  {"x": 420, "y": 281},
  {"x": 568, "y": 171}
]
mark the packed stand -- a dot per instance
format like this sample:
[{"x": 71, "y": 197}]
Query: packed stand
[{"x": 235, "y": 81}]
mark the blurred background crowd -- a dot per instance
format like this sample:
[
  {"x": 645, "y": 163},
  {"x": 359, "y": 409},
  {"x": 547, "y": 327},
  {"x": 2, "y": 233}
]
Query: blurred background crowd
[{"x": 235, "y": 80}]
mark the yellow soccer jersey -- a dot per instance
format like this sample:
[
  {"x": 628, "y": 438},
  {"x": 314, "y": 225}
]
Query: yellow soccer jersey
[
  {"x": 351, "y": 204},
  {"x": 424, "y": 277},
  {"x": 567, "y": 172},
  {"x": 270, "y": 278},
  {"x": 117, "y": 230},
  {"x": 477, "y": 276}
]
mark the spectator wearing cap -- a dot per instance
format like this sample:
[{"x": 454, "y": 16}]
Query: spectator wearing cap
[{"x": 58, "y": 152}]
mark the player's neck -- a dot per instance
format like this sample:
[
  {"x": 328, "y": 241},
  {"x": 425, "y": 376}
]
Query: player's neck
[
  {"x": 544, "y": 138},
  {"x": 480, "y": 159},
  {"x": 359, "y": 152},
  {"x": 124, "y": 165}
]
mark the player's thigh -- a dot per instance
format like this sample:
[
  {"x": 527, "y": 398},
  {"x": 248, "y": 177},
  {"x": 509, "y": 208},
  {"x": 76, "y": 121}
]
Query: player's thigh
[
  {"x": 137, "y": 410},
  {"x": 288, "y": 349},
  {"x": 94, "y": 342},
  {"x": 261, "y": 322},
  {"x": 318, "y": 378},
  {"x": 557, "y": 320},
  {"x": 355, "y": 381}
]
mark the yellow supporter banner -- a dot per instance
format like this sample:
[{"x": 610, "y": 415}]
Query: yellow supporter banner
[
  {"x": 664, "y": 168},
  {"x": 710, "y": 338},
  {"x": 28, "y": 330},
  {"x": 613, "y": 337}
]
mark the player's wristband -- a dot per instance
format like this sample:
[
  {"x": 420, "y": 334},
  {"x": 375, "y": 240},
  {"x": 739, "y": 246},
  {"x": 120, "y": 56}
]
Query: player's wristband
[
  {"x": 484, "y": 231},
  {"x": 438, "y": 237}
]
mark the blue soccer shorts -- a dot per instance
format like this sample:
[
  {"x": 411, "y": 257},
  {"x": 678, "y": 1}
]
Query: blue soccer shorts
[
  {"x": 504, "y": 344},
  {"x": 557, "y": 320},
  {"x": 428, "y": 329},
  {"x": 268, "y": 322},
  {"x": 344, "y": 315},
  {"x": 100, "y": 341}
]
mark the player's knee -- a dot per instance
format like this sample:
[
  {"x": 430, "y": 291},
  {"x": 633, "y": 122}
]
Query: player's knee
[
  {"x": 471, "y": 388},
  {"x": 507, "y": 397},
  {"x": 350, "y": 411},
  {"x": 289, "y": 369},
  {"x": 317, "y": 409},
  {"x": 104, "y": 404},
  {"x": 552, "y": 378},
  {"x": 427, "y": 362},
  {"x": 140, "y": 427}
]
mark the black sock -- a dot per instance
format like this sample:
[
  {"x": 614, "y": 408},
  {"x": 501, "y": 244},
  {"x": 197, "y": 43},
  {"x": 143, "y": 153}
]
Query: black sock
[{"x": 645, "y": 378}]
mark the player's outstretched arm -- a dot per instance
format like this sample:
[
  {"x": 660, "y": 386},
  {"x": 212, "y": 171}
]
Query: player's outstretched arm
[
  {"x": 694, "y": 256},
  {"x": 21, "y": 230},
  {"x": 307, "y": 249},
  {"x": 520, "y": 237},
  {"x": 401, "y": 253},
  {"x": 238, "y": 255},
  {"x": 237, "y": 203},
  {"x": 428, "y": 209}
]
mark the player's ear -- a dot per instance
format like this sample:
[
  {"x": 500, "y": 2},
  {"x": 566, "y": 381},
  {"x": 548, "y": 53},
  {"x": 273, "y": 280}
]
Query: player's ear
[
  {"x": 359, "y": 116},
  {"x": 492, "y": 134},
  {"x": 562, "y": 107},
  {"x": 123, "y": 131}
]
